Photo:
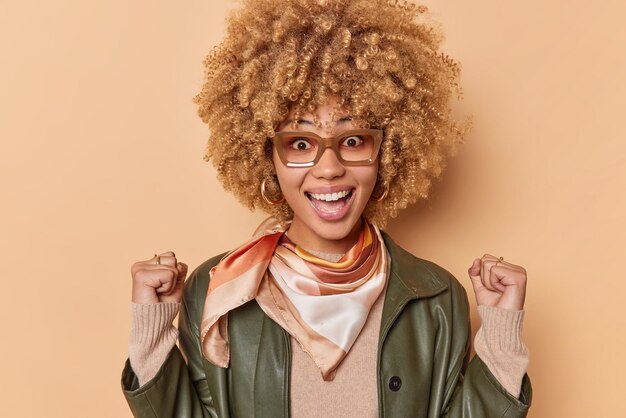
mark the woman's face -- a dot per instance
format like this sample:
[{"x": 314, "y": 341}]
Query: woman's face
[{"x": 328, "y": 198}]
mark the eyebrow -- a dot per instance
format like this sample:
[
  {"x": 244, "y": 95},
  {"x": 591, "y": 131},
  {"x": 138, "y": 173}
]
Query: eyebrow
[{"x": 310, "y": 123}]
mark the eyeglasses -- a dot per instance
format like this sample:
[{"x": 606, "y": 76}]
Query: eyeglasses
[{"x": 304, "y": 149}]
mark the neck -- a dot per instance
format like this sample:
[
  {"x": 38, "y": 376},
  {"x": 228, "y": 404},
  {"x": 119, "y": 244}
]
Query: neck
[{"x": 332, "y": 257}]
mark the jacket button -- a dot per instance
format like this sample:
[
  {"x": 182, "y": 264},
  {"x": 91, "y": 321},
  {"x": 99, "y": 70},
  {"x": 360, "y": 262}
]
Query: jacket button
[{"x": 394, "y": 383}]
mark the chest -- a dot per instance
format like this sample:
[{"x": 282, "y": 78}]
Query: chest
[{"x": 399, "y": 366}]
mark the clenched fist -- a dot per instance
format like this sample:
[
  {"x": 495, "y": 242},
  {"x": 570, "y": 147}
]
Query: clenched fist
[
  {"x": 159, "y": 279},
  {"x": 498, "y": 283}
]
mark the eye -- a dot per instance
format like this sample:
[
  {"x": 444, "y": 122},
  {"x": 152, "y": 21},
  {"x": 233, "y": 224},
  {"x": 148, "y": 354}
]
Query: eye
[
  {"x": 300, "y": 144},
  {"x": 352, "y": 141}
]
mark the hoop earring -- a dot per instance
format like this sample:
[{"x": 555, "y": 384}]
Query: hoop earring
[
  {"x": 267, "y": 199},
  {"x": 382, "y": 196}
]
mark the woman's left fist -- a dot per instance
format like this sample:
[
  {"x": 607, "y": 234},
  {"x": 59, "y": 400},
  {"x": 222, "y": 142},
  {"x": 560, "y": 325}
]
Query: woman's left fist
[{"x": 498, "y": 283}]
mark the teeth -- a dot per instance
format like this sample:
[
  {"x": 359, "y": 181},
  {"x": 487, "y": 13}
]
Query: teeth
[{"x": 330, "y": 197}]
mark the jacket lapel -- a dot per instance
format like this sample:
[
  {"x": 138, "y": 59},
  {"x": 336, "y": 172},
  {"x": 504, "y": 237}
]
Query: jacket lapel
[
  {"x": 409, "y": 278},
  {"x": 260, "y": 364}
]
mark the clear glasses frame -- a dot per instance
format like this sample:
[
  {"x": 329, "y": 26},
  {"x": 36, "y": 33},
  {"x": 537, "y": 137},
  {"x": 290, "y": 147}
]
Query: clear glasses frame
[{"x": 329, "y": 142}]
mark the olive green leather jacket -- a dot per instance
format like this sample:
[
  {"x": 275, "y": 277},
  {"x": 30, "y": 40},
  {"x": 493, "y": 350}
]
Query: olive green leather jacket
[{"x": 423, "y": 357}]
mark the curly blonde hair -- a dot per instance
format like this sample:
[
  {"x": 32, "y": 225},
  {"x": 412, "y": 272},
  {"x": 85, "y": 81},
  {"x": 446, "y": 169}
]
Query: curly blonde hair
[{"x": 379, "y": 57}]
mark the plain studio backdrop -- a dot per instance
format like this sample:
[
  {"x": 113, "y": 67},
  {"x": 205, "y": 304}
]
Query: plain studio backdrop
[{"x": 101, "y": 165}]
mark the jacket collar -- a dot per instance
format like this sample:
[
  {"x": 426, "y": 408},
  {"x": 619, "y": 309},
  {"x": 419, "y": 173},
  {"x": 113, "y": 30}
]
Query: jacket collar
[
  {"x": 415, "y": 276},
  {"x": 409, "y": 278}
]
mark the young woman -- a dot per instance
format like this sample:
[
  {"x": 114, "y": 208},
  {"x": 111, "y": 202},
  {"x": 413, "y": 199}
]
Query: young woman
[{"x": 332, "y": 116}]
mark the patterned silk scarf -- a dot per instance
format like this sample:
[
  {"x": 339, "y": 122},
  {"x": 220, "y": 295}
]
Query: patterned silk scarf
[{"x": 322, "y": 304}]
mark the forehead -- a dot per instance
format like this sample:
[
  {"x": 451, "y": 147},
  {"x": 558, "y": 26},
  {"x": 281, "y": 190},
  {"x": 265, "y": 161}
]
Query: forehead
[{"x": 325, "y": 117}]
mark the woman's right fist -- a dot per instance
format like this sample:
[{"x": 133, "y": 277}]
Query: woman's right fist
[{"x": 159, "y": 279}]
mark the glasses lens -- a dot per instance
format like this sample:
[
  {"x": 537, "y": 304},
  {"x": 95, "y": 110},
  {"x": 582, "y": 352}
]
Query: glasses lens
[
  {"x": 358, "y": 147},
  {"x": 299, "y": 149},
  {"x": 302, "y": 149}
]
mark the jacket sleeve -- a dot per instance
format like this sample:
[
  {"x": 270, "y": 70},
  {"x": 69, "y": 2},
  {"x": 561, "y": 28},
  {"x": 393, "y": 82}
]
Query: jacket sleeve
[
  {"x": 474, "y": 391},
  {"x": 179, "y": 388}
]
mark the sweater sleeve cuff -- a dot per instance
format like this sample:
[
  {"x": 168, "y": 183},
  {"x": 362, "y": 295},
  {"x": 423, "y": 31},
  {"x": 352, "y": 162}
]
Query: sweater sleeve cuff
[
  {"x": 152, "y": 337},
  {"x": 502, "y": 328},
  {"x": 499, "y": 344}
]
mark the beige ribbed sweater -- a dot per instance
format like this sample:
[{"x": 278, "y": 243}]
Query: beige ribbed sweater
[{"x": 498, "y": 343}]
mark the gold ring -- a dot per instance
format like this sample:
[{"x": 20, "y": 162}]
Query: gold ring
[{"x": 158, "y": 259}]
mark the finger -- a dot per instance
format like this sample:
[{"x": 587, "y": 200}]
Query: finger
[
  {"x": 182, "y": 270},
  {"x": 511, "y": 266},
  {"x": 138, "y": 265},
  {"x": 514, "y": 284},
  {"x": 483, "y": 270},
  {"x": 165, "y": 288},
  {"x": 167, "y": 257},
  {"x": 474, "y": 273},
  {"x": 168, "y": 285},
  {"x": 485, "y": 273},
  {"x": 155, "y": 267},
  {"x": 155, "y": 277},
  {"x": 496, "y": 274},
  {"x": 505, "y": 277},
  {"x": 512, "y": 269},
  {"x": 512, "y": 277},
  {"x": 179, "y": 282},
  {"x": 489, "y": 257},
  {"x": 502, "y": 261},
  {"x": 166, "y": 260},
  {"x": 474, "y": 269}
]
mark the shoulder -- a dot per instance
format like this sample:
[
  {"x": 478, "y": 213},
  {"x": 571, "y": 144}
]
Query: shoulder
[
  {"x": 423, "y": 276},
  {"x": 437, "y": 300}
]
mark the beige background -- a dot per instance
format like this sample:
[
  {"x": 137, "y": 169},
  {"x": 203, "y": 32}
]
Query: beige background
[{"x": 101, "y": 165}]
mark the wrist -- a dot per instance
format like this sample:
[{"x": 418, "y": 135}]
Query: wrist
[{"x": 144, "y": 296}]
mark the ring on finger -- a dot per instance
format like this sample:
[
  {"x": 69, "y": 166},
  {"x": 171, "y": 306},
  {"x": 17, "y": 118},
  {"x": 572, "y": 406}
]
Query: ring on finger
[{"x": 158, "y": 259}]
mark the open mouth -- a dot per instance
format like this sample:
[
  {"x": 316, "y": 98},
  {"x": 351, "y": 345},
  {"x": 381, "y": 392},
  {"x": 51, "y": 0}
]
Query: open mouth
[
  {"x": 330, "y": 197},
  {"x": 331, "y": 206}
]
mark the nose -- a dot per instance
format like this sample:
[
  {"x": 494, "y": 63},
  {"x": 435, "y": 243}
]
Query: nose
[{"x": 328, "y": 166}]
